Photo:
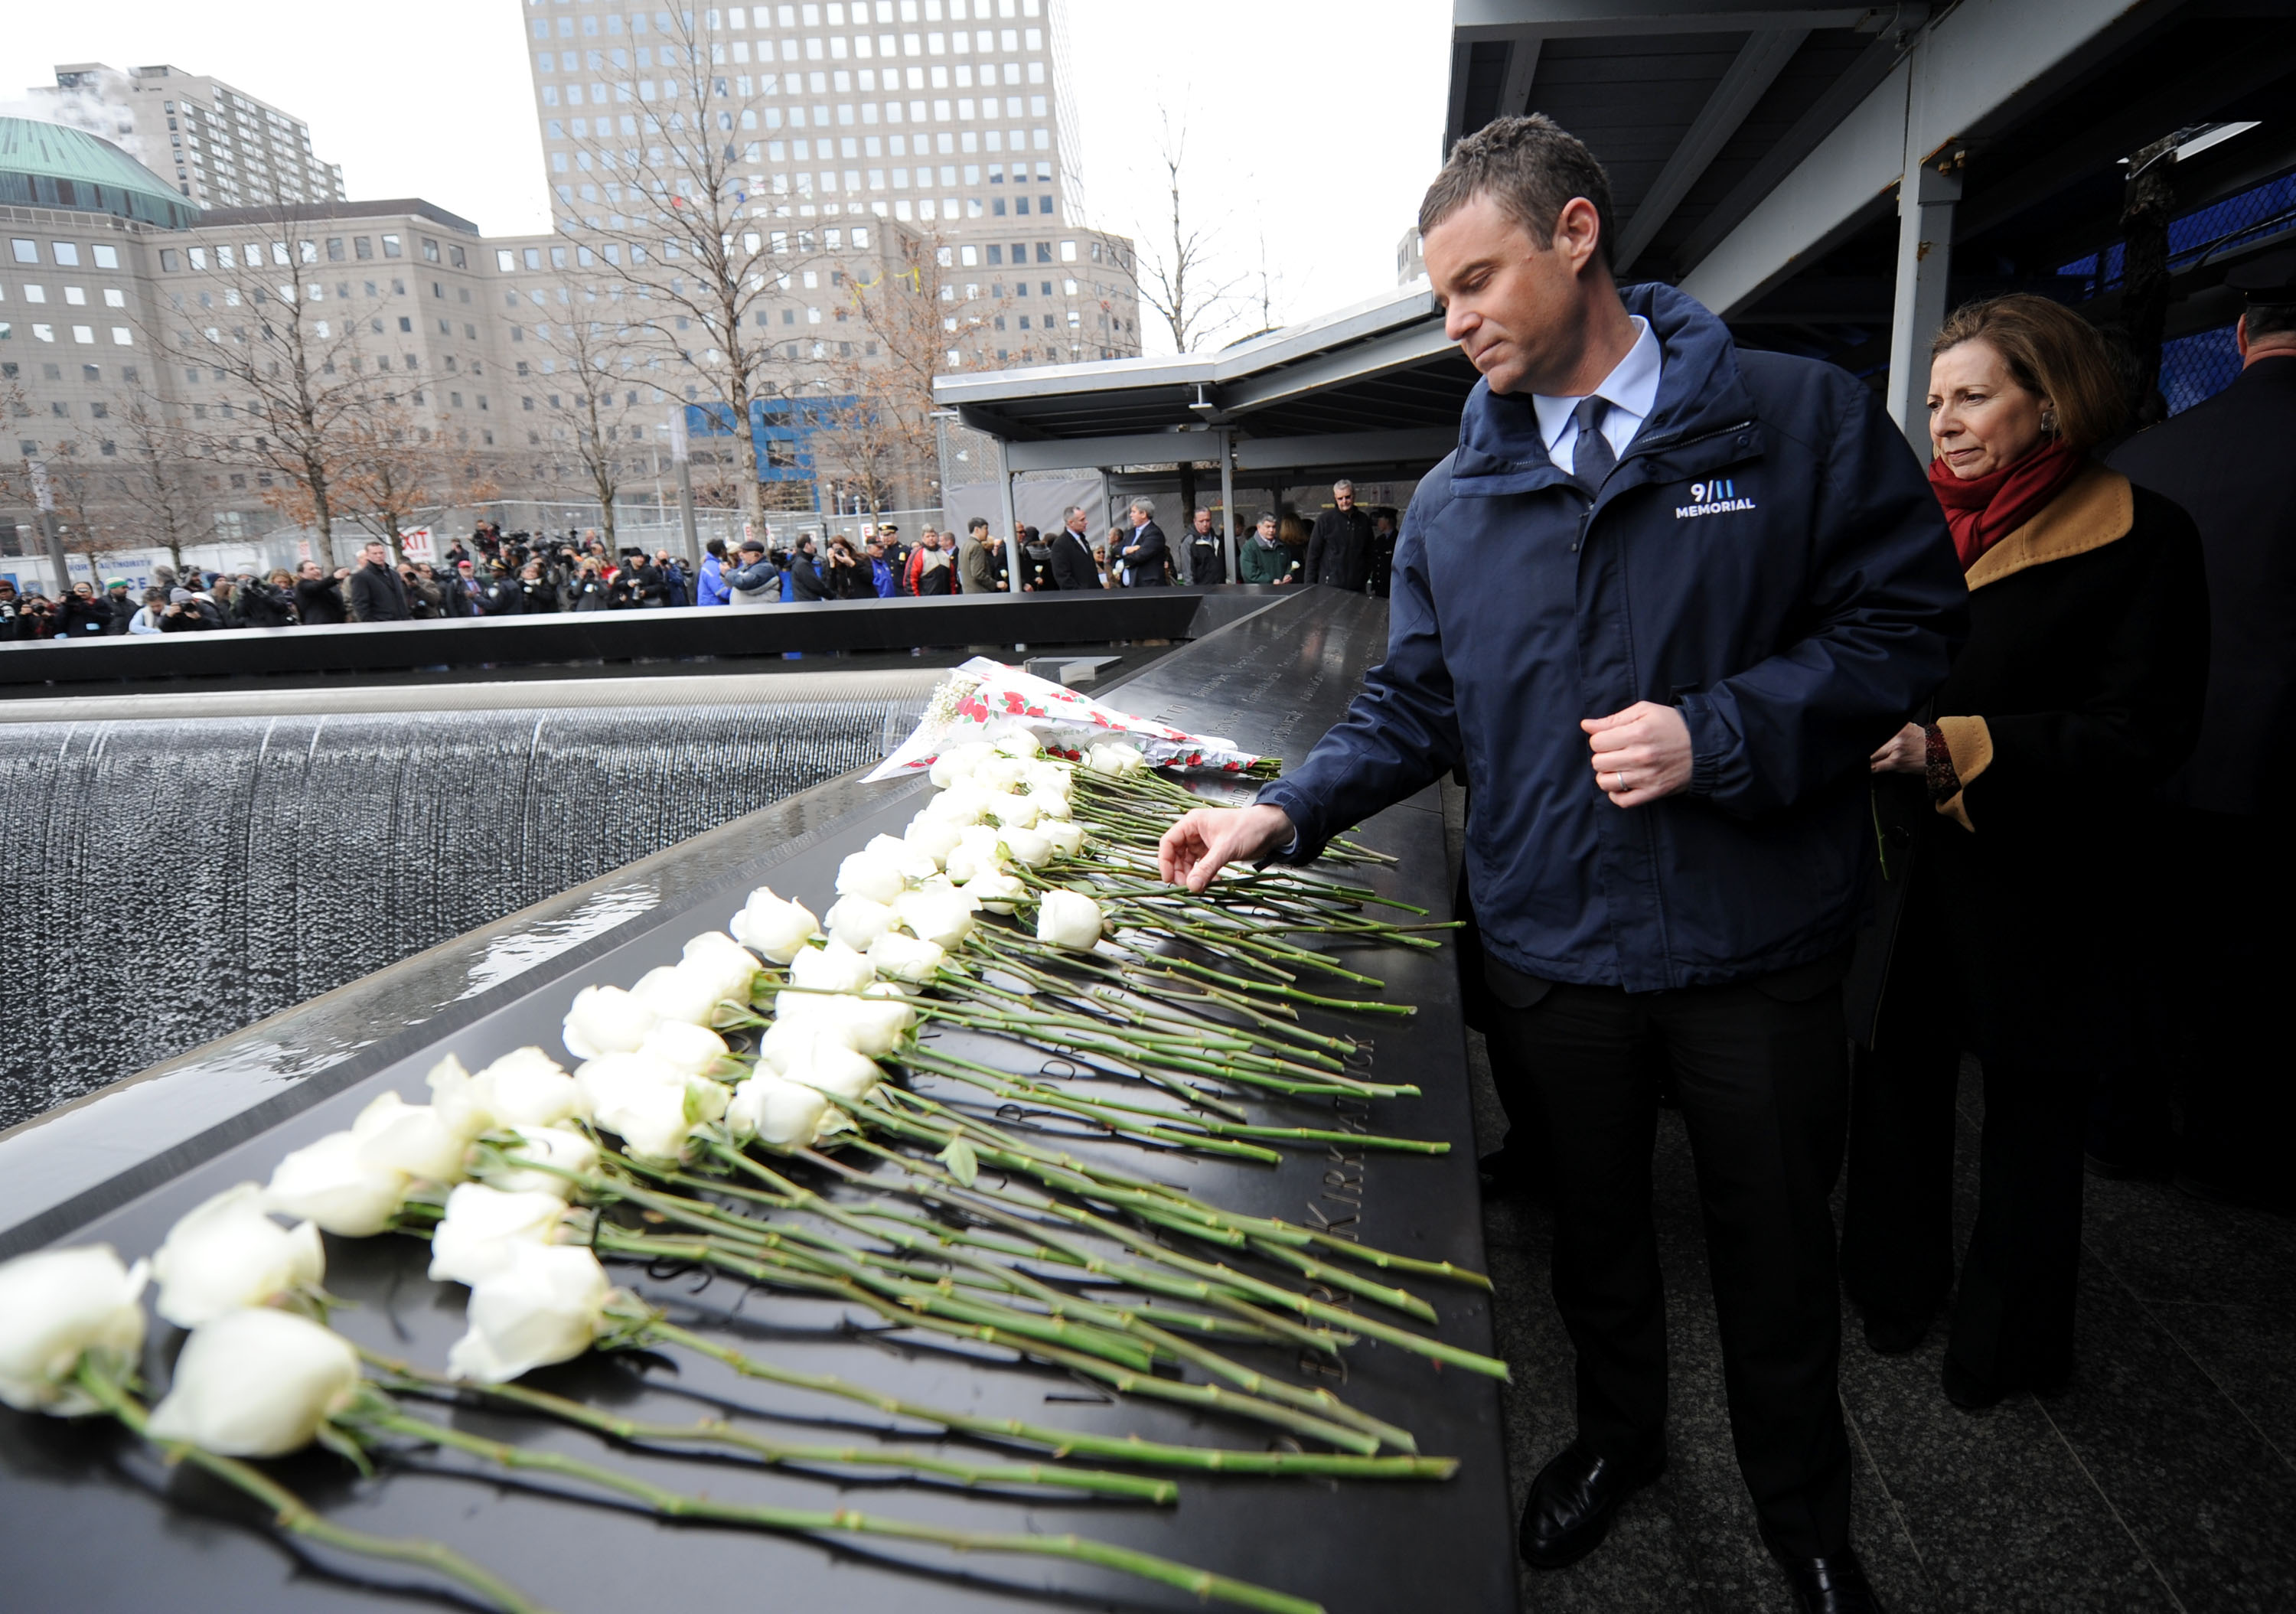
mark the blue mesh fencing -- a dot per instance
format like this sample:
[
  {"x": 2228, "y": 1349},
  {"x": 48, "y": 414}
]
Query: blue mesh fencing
[{"x": 2197, "y": 367}]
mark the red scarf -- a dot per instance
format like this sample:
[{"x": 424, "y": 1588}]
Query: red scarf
[{"x": 1984, "y": 510}]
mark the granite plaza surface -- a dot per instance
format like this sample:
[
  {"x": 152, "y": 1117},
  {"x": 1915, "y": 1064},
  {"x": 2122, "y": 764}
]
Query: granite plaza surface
[{"x": 2164, "y": 1479}]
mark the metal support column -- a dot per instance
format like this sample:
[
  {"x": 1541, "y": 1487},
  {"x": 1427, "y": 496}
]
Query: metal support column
[
  {"x": 1227, "y": 495},
  {"x": 44, "y": 496},
  {"x": 1013, "y": 563},
  {"x": 1925, "y": 204}
]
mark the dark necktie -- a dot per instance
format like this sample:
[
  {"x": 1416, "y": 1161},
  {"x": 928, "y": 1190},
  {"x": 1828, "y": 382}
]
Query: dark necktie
[{"x": 1591, "y": 458}]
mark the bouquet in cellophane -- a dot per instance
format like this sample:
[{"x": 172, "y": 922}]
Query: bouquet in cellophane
[{"x": 983, "y": 702}]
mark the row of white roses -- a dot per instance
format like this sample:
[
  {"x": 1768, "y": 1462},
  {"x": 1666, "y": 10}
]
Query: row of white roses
[{"x": 253, "y": 1380}]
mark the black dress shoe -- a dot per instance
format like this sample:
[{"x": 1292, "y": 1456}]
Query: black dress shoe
[
  {"x": 1888, "y": 1336},
  {"x": 1830, "y": 1585},
  {"x": 1965, "y": 1389},
  {"x": 1574, "y": 1499}
]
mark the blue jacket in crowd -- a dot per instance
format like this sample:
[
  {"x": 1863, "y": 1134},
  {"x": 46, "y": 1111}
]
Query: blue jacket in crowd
[
  {"x": 714, "y": 591},
  {"x": 882, "y": 579},
  {"x": 1766, "y": 557}
]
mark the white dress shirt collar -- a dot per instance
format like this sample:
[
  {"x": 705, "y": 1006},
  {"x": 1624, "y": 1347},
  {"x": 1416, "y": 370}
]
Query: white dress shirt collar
[{"x": 1631, "y": 388}]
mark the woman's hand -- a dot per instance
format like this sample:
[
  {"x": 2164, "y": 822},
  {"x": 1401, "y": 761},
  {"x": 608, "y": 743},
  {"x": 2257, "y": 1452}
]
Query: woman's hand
[{"x": 1907, "y": 751}]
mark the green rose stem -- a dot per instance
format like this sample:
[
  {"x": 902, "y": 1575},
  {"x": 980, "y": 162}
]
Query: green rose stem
[
  {"x": 719, "y": 1252},
  {"x": 1320, "y": 1402},
  {"x": 1229, "y": 1278},
  {"x": 717, "y": 1432},
  {"x": 1163, "y": 1126},
  {"x": 819, "y": 1521},
  {"x": 290, "y": 1513},
  {"x": 650, "y": 1327}
]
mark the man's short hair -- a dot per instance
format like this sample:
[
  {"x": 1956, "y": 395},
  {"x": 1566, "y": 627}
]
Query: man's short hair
[
  {"x": 1343, "y": 483},
  {"x": 1532, "y": 168},
  {"x": 978, "y": 524},
  {"x": 1146, "y": 507},
  {"x": 2269, "y": 319},
  {"x": 1070, "y": 512}
]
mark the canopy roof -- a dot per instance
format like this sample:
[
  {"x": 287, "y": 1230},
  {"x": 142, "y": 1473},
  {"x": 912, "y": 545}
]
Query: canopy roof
[{"x": 46, "y": 165}]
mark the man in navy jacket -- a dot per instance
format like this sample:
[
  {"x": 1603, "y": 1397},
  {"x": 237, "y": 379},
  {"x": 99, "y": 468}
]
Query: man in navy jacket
[{"x": 1661, "y": 603}]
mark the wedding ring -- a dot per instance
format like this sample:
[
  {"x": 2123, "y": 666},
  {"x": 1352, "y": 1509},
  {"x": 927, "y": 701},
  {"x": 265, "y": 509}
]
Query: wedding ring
[{"x": 1618, "y": 782}]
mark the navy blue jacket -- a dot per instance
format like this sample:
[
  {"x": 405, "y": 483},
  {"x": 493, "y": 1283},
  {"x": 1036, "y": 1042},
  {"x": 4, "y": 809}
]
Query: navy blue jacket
[{"x": 1765, "y": 557}]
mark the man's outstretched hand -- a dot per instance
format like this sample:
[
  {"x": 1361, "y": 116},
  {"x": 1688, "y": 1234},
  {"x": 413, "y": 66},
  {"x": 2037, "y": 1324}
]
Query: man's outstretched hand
[{"x": 1208, "y": 838}]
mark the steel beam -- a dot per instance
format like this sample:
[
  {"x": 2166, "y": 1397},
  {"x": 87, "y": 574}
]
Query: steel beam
[
  {"x": 1399, "y": 350},
  {"x": 1750, "y": 74},
  {"x": 1917, "y": 305},
  {"x": 1985, "y": 59},
  {"x": 1428, "y": 443},
  {"x": 1095, "y": 453},
  {"x": 1475, "y": 19}
]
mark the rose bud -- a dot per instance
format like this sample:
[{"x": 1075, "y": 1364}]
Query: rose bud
[
  {"x": 1069, "y": 919},
  {"x": 227, "y": 1254},
  {"x": 547, "y": 1304},
  {"x": 255, "y": 1383},
  {"x": 332, "y": 1183},
  {"x": 780, "y": 1114},
  {"x": 778, "y": 929},
  {"x": 606, "y": 1019},
  {"x": 56, "y": 1306}
]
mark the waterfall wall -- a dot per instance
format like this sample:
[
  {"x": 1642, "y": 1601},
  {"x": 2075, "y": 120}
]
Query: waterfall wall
[{"x": 168, "y": 879}]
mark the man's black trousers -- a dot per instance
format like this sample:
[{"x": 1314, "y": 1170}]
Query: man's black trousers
[{"x": 1761, "y": 1069}]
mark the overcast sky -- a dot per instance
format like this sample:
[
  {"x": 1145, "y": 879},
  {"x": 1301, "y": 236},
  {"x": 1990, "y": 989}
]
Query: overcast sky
[{"x": 1312, "y": 125}]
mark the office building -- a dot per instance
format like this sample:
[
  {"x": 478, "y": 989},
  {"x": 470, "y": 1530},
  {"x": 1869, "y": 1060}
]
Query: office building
[{"x": 222, "y": 147}]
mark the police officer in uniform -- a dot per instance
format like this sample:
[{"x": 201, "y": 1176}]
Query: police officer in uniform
[{"x": 2223, "y": 864}]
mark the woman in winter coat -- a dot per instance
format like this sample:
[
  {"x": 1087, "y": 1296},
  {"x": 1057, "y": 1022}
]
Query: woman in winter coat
[
  {"x": 587, "y": 590},
  {"x": 2007, "y": 813}
]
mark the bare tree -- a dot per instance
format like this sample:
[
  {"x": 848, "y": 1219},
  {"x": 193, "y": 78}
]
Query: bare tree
[
  {"x": 1180, "y": 280},
  {"x": 588, "y": 417},
  {"x": 165, "y": 502},
  {"x": 295, "y": 364},
  {"x": 690, "y": 237},
  {"x": 398, "y": 470},
  {"x": 880, "y": 404}
]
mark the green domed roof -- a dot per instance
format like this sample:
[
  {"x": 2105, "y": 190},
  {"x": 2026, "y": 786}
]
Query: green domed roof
[{"x": 46, "y": 165}]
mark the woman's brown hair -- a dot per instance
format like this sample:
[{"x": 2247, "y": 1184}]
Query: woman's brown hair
[{"x": 2052, "y": 352}]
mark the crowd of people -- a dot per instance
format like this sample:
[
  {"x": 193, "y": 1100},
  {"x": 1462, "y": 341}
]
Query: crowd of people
[{"x": 521, "y": 574}]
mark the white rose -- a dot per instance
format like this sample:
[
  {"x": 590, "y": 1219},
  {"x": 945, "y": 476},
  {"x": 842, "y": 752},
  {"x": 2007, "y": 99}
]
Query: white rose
[
  {"x": 914, "y": 862},
  {"x": 227, "y": 1253},
  {"x": 1018, "y": 742},
  {"x": 961, "y": 804},
  {"x": 905, "y": 958},
  {"x": 1027, "y": 846},
  {"x": 255, "y": 1383},
  {"x": 994, "y": 890},
  {"x": 835, "y": 967},
  {"x": 1001, "y": 772},
  {"x": 1069, "y": 919},
  {"x": 871, "y": 874},
  {"x": 1046, "y": 777},
  {"x": 1051, "y": 806},
  {"x": 935, "y": 838},
  {"x": 483, "y": 1225},
  {"x": 778, "y": 1113},
  {"x": 526, "y": 1087},
  {"x": 461, "y": 1103},
  {"x": 557, "y": 1146},
  {"x": 547, "y": 1304},
  {"x": 412, "y": 1138},
  {"x": 942, "y": 917},
  {"x": 1115, "y": 761},
  {"x": 332, "y": 1183},
  {"x": 605, "y": 1020},
  {"x": 1065, "y": 839},
  {"x": 694, "y": 1050},
  {"x": 873, "y": 1024},
  {"x": 1016, "y": 812},
  {"x": 959, "y": 761},
  {"x": 968, "y": 864},
  {"x": 653, "y": 1107},
  {"x": 733, "y": 964},
  {"x": 57, "y": 1305},
  {"x": 833, "y": 1069},
  {"x": 778, "y": 929},
  {"x": 693, "y": 994},
  {"x": 859, "y": 920}
]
